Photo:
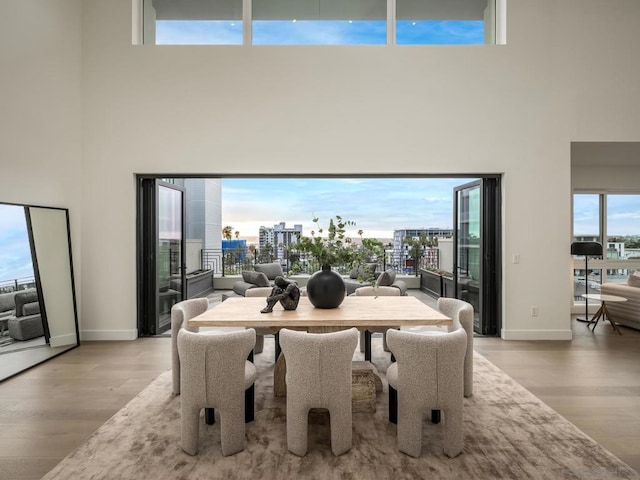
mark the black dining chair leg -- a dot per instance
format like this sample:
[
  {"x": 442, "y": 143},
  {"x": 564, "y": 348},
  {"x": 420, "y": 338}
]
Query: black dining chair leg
[
  {"x": 277, "y": 341},
  {"x": 249, "y": 404},
  {"x": 435, "y": 416},
  {"x": 393, "y": 405},
  {"x": 210, "y": 416}
]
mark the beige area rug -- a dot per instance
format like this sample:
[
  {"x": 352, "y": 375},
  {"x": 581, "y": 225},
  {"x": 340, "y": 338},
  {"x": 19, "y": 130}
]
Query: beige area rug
[{"x": 509, "y": 434}]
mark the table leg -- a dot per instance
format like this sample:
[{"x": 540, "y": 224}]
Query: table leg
[
  {"x": 608, "y": 317},
  {"x": 596, "y": 318},
  {"x": 367, "y": 345}
]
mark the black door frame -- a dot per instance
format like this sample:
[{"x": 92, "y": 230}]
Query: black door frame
[
  {"x": 490, "y": 251},
  {"x": 147, "y": 226}
]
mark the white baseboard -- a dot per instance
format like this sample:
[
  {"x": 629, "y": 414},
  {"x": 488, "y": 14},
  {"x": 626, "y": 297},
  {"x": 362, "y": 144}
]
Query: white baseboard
[
  {"x": 536, "y": 334},
  {"x": 97, "y": 335},
  {"x": 63, "y": 340}
]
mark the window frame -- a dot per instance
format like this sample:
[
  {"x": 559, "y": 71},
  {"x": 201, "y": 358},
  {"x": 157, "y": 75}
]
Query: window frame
[
  {"x": 604, "y": 263},
  {"x": 499, "y": 34}
]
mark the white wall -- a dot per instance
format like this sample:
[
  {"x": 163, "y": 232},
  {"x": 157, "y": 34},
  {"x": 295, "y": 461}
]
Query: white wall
[
  {"x": 40, "y": 107},
  {"x": 569, "y": 73}
]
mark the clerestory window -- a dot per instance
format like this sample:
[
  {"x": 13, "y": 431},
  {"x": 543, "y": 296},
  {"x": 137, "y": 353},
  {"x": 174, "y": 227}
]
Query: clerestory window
[{"x": 320, "y": 22}]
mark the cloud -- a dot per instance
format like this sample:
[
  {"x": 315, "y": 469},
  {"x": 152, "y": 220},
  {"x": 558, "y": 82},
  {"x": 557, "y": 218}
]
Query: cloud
[
  {"x": 319, "y": 32},
  {"x": 377, "y": 205}
]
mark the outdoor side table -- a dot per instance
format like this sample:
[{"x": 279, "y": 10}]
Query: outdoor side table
[{"x": 602, "y": 312}]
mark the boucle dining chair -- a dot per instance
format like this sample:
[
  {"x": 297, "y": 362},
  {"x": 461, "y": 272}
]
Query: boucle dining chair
[
  {"x": 319, "y": 376},
  {"x": 428, "y": 375},
  {"x": 365, "y": 335},
  {"x": 215, "y": 373},
  {"x": 461, "y": 313},
  {"x": 181, "y": 313}
]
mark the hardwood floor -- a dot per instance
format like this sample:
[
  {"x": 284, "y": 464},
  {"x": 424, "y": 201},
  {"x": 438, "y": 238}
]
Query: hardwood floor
[
  {"x": 593, "y": 381},
  {"x": 48, "y": 411}
]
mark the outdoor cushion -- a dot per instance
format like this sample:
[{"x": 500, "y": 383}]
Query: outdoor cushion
[
  {"x": 257, "y": 278},
  {"x": 634, "y": 279},
  {"x": 271, "y": 270},
  {"x": 31, "y": 308},
  {"x": 386, "y": 278},
  {"x": 7, "y": 301},
  {"x": 23, "y": 298},
  {"x": 240, "y": 287}
]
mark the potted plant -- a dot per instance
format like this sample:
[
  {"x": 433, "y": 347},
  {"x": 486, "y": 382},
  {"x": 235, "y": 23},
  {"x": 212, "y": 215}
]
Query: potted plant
[{"x": 326, "y": 288}]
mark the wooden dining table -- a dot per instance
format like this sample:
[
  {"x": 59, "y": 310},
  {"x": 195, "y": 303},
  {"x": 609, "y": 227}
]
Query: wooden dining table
[{"x": 355, "y": 311}]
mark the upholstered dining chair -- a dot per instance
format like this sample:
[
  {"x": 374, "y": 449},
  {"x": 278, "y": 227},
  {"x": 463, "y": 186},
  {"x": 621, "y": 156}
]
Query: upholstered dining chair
[
  {"x": 461, "y": 313},
  {"x": 215, "y": 373},
  {"x": 319, "y": 376},
  {"x": 365, "y": 335},
  {"x": 181, "y": 313},
  {"x": 428, "y": 375}
]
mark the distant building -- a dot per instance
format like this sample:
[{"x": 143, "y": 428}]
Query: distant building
[
  {"x": 400, "y": 252},
  {"x": 279, "y": 237}
]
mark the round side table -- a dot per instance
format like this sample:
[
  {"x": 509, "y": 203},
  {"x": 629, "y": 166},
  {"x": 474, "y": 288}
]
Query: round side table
[{"x": 602, "y": 312}]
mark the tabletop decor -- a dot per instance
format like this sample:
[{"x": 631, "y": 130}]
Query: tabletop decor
[{"x": 326, "y": 288}]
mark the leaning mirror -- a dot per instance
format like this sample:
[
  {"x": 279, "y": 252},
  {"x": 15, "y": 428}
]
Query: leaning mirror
[{"x": 38, "y": 316}]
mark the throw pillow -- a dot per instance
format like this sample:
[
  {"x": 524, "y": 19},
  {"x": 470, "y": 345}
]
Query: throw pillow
[
  {"x": 271, "y": 270},
  {"x": 386, "y": 278},
  {"x": 259, "y": 279},
  {"x": 634, "y": 279},
  {"x": 354, "y": 273}
]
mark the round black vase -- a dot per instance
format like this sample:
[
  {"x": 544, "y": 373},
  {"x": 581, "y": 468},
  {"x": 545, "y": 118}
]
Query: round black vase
[{"x": 325, "y": 288}]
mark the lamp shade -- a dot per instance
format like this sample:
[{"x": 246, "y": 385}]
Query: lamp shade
[{"x": 593, "y": 249}]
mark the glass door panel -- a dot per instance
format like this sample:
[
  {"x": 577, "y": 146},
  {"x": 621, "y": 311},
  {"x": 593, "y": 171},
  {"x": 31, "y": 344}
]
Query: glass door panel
[
  {"x": 476, "y": 233},
  {"x": 161, "y": 259},
  {"x": 170, "y": 255}
]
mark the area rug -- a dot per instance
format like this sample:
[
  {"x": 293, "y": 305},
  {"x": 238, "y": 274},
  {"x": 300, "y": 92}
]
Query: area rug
[{"x": 509, "y": 434}]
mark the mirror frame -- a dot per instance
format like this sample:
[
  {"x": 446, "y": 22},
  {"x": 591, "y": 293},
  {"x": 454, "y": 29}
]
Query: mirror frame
[{"x": 39, "y": 288}]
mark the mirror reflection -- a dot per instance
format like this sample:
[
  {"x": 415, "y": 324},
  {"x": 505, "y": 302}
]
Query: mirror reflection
[{"x": 37, "y": 300}]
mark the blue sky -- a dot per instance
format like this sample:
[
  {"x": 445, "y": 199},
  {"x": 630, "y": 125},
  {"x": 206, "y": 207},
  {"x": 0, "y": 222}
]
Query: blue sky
[
  {"x": 623, "y": 214},
  {"x": 377, "y": 205},
  {"x": 311, "y": 32},
  {"x": 15, "y": 253}
]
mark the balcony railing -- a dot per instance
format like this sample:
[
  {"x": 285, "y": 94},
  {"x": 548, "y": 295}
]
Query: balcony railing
[
  {"x": 16, "y": 284},
  {"x": 225, "y": 262}
]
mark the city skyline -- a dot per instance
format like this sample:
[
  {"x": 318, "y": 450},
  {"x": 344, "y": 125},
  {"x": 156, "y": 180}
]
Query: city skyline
[{"x": 377, "y": 205}]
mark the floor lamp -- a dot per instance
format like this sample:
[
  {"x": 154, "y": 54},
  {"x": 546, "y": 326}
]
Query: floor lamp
[{"x": 587, "y": 249}]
